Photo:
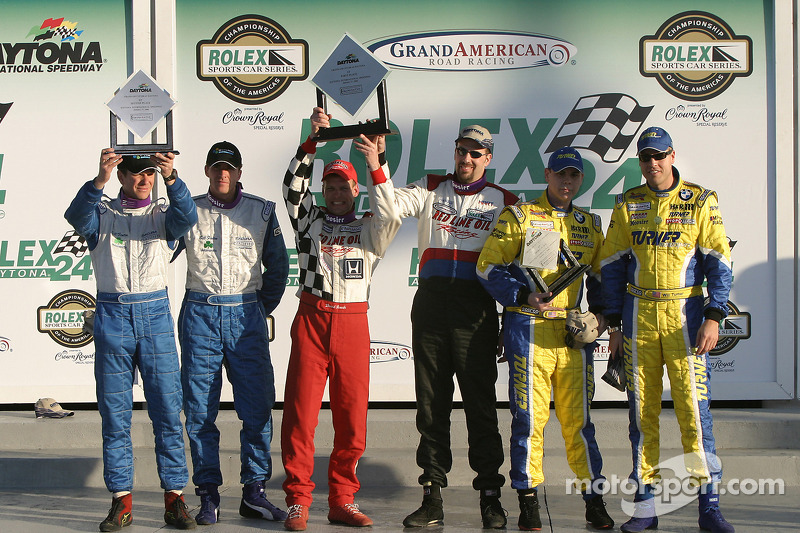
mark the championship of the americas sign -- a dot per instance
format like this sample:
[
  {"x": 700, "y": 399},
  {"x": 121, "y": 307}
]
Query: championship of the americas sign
[
  {"x": 63, "y": 316},
  {"x": 695, "y": 56},
  {"x": 251, "y": 59}
]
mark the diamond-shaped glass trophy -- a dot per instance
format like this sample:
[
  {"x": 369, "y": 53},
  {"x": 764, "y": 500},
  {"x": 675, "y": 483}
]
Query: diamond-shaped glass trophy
[
  {"x": 349, "y": 76},
  {"x": 140, "y": 104},
  {"x": 543, "y": 250}
]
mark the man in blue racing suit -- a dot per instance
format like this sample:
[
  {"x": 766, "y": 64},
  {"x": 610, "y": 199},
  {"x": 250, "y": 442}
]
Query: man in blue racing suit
[
  {"x": 236, "y": 274},
  {"x": 131, "y": 240}
]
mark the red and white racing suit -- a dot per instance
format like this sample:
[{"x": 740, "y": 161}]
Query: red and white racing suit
[{"x": 330, "y": 334}]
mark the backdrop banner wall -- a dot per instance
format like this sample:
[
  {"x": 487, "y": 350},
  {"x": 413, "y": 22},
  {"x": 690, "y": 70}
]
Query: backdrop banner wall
[{"x": 538, "y": 75}]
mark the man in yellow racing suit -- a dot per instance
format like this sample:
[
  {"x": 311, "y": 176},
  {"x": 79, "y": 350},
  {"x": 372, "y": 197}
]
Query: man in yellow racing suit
[
  {"x": 534, "y": 337},
  {"x": 665, "y": 237}
]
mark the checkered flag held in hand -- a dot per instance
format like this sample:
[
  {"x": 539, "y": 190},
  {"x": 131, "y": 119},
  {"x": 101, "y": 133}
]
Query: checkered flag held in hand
[
  {"x": 72, "y": 243},
  {"x": 606, "y": 124}
]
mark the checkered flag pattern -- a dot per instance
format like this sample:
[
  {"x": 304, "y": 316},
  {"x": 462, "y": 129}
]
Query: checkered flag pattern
[
  {"x": 302, "y": 214},
  {"x": 63, "y": 32},
  {"x": 606, "y": 124},
  {"x": 72, "y": 243}
]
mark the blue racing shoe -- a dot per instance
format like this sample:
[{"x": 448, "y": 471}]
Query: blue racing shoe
[{"x": 256, "y": 505}]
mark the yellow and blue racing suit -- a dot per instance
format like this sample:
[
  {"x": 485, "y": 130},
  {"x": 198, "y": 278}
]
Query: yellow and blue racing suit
[
  {"x": 659, "y": 248},
  {"x": 538, "y": 357}
]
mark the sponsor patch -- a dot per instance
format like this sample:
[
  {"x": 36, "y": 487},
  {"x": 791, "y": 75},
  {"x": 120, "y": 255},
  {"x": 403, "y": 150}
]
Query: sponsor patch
[
  {"x": 354, "y": 268},
  {"x": 639, "y": 206},
  {"x": 350, "y": 229}
]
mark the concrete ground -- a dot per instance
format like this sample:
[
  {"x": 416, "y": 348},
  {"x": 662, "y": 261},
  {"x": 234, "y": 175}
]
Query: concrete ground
[
  {"x": 51, "y": 474},
  {"x": 40, "y": 511}
]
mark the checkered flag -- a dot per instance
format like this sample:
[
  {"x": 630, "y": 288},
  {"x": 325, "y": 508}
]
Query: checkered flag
[
  {"x": 72, "y": 243},
  {"x": 603, "y": 123},
  {"x": 66, "y": 33}
]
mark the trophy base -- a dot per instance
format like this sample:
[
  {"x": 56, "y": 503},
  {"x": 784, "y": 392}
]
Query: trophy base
[
  {"x": 144, "y": 150},
  {"x": 141, "y": 149},
  {"x": 340, "y": 133}
]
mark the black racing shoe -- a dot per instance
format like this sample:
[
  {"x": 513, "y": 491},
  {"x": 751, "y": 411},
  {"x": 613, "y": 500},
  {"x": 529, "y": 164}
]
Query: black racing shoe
[
  {"x": 120, "y": 514},
  {"x": 492, "y": 513},
  {"x": 529, "y": 512},
  {"x": 431, "y": 512},
  {"x": 596, "y": 513}
]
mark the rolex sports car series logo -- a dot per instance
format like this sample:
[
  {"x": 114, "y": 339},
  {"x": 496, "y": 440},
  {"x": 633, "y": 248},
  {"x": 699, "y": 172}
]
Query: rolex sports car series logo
[
  {"x": 251, "y": 59},
  {"x": 695, "y": 56}
]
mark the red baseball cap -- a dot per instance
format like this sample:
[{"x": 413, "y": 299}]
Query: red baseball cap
[{"x": 340, "y": 168}]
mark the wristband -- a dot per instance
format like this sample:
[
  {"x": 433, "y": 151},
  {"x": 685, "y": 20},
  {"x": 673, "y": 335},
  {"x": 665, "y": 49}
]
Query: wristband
[{"x": 613, "y": 329}]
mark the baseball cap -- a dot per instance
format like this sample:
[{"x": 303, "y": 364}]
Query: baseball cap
[
  {"x": 340, "y": 168},
  {"x": 581, "y": 328},
  {"x": 224, "y": 152},
  {"x": 136, "y": 164},
  {"x": 479, "y": 134},
  {"x": 49, "y": 408},
  {"x": 654, "y": 138},
  {"x": 565, "y": 157}
]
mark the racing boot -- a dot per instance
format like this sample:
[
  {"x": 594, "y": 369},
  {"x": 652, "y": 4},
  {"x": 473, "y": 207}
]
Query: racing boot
[
  {"x": 209, "y": 504},
  {"x": 596, "y": 513},
  {"x": 644, "y": 517},
  {"x": 711, "y": 518},
  {"x": 431, "y": 512},
  {"x": 176, "y": 511},
  {"x": 119, "y": 515},
  {"x": 529, "y": 510},
  {"x": 492, "y": 513},
  {"x": 256, "y": 505}
]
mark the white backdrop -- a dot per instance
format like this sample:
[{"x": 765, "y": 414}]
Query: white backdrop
[{"x": 526, "y": 72}]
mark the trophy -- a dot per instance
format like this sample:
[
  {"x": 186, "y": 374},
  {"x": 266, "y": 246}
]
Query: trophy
[
  {"x": 349, "y": 76},
  {"x": 140, "y": 104},
  {"x": 542, "y": 250}
]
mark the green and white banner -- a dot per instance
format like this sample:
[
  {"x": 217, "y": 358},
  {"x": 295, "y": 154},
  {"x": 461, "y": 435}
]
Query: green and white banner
[{"x": 539, "y": 75}]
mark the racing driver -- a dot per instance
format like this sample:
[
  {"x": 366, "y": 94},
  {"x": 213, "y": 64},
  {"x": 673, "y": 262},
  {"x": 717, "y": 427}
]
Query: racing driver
[
  {"x": 664, "y": 239},
  {"x": 337, "y": 255},
  {"x": 539, "y": 357}
]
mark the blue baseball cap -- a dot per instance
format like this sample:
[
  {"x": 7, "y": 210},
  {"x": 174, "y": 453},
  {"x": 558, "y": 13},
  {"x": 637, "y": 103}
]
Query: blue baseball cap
[
  {"x": 654, "y": 138},
  {"x": 565, "y": 158}
]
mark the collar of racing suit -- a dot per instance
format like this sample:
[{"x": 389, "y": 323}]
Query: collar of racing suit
[
  {"x": 226, "y": 205},
  {"x": 469, "y": 188},
  {"x": 132, "y": 203},
  {"x": 340, "y": 219}
]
